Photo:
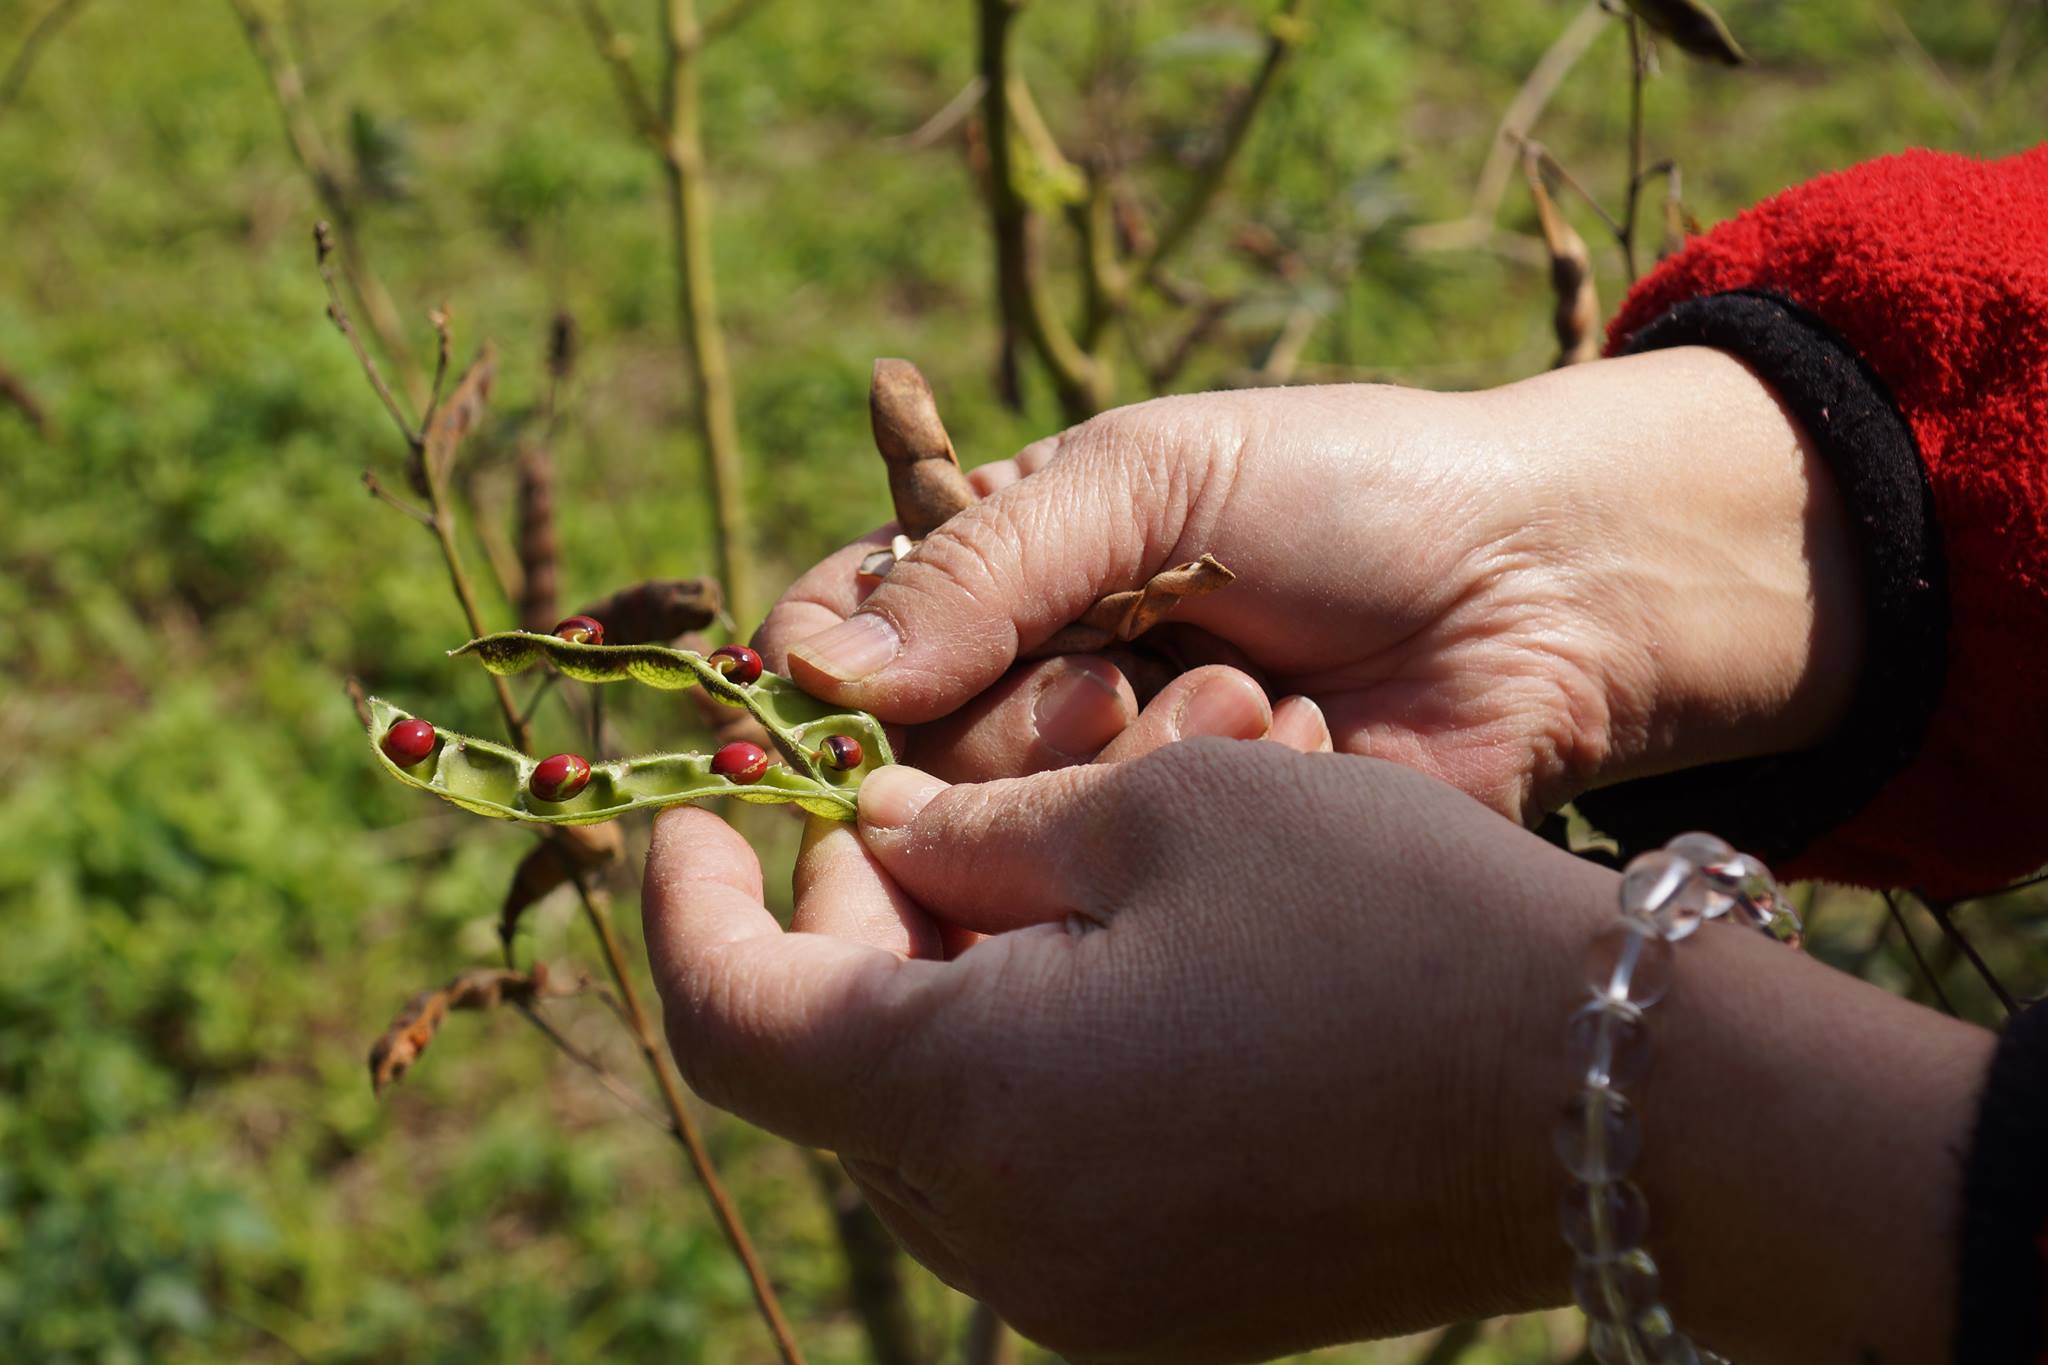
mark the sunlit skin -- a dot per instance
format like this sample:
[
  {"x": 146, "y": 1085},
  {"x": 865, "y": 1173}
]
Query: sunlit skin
[{"x": 1263, "y": 1048}]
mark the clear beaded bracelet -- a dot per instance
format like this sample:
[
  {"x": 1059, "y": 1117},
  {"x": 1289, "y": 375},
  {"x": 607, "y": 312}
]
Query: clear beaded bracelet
[{"x": 1665, "y": 897}]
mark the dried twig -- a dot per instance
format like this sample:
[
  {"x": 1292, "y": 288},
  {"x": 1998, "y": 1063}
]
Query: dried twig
[
  {"x": 481, "y": 988},
  {"x": 16, "y": 76},
  {"x": 988, "y": 1341},
  {"x": 330, "y": 185},
  {"x": 1942, "y": 916},
  {"x": 15, "y": 390},
  {"x": 1927, "y": 972}
]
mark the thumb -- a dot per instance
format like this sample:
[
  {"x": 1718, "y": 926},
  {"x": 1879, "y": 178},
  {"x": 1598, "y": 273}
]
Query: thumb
[
  {"x": 1006, "y": 573},
  {"x": 989, "y": 856}
]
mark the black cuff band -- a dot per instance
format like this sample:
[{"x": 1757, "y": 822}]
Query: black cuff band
[
  {"x": 1777, "y": 806},
  {"x": 2001, "y": 1316}
]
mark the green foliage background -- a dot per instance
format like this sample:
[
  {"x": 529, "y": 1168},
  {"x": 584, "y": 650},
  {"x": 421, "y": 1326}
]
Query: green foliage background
[{"x": 210, "y": 901}]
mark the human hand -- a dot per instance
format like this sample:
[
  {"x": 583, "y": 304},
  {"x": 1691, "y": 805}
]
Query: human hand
[
  {"x": 1605, "y": 572},
  {"x": 1261, "y": 1058}
]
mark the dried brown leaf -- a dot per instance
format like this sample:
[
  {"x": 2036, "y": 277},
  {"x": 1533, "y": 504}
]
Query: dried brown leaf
[
  {"x": 459, "y": 415},
  {"x": 482, "y": 988},
  {"x": 925, "y": 479},
  {"x": 550, "y": 863}
]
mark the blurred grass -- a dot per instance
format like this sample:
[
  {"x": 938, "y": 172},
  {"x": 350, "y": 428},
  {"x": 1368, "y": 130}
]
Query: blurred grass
[{"x": 211, "y": 903}]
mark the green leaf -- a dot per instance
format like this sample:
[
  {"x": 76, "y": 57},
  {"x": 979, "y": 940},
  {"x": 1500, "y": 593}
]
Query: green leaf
[
  {"x": 790, "y": 715},
  {"x": 491, "y": 779},
  {"x": 1694, "y": 26}
]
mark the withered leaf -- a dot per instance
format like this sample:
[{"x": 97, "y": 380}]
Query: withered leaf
[
  {"x": 458, "y": 416},
  {"x": 1694, "y": 26}
]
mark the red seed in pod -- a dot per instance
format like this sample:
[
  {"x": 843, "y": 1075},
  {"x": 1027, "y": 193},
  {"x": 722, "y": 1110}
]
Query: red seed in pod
[
  {"x": 842, "y": 753},
  {"x": 740, "y": 761},
  {"x": 738, "y": 663},
  {"x": 582, "y": 630},
  {"x": 409, "y": 742},
  {"x": 559, "y": 777}
]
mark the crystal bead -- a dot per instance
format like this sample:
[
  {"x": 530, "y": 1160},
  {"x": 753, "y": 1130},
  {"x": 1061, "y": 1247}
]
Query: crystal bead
[
  {"x": 1612, "y": 1345},
  {"x": 1711, "y": 855},
  {"x": 1629, "y": 961},
  {"x": 1702, "y": 850},
  {"x": 1608, "y": 1044},
  {"x": 1668, "y": 890},
  {"x": 1619, "y": 1290},
  {"x": 1598, "y": 1136},
  {"x": 1626, "y": 1218}
]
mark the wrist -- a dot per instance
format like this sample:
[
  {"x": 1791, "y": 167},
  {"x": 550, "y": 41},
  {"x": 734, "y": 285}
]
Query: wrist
[
  {"x": 1802, "y": 1136},
  {"x": 1708, "y": 539}
]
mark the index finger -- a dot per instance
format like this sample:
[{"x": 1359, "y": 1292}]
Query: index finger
[{"x": 808, "y": 1036}]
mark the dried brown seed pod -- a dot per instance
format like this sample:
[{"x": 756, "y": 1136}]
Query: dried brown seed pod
[
  {"x": 656, "y": 611},
  {"x": 1577, "y": 316},
  {"x": 400, "y": 1045},
  {"x": 925, "y": 479}
]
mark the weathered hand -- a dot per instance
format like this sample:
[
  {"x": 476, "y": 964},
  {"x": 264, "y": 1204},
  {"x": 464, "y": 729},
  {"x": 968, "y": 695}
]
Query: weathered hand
[
  {"x": 1607, "y": 571},
  {"x": 1272, "y": 1056}
]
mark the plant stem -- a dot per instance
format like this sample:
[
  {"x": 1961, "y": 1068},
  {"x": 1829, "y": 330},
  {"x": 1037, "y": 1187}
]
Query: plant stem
[
  {"x": 322, "y": 168},
  {"x": 689, "y": 198},
  {"x": 1078, "y": 379},
  {"x": 1284, "y": 32},
  {"x": 593, "y": 899},
  {"x": 45, "y": 28},
  {"x": 1638, "y": 72},
  {"x": 686, "y": 1127}
]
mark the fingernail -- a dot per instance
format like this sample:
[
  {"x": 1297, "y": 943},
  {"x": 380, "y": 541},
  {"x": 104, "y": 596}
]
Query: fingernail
[
  {"x": 1299, "y": 724},
  {"x": 861, "y": 644},
  {"x": 1230, "y": 707},
  {"x": 891, "y": 797},
  {"x": 1078, "y": 711}
]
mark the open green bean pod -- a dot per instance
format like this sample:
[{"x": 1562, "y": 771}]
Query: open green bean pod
[
  {"x": 492, "y": 779},
  {"x": 795, "y": 720}
]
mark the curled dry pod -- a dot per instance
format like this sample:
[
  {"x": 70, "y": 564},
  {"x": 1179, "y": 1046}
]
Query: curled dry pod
[
  {"x": 925, "y": 479},
  {"x": 491, "y": 779}
]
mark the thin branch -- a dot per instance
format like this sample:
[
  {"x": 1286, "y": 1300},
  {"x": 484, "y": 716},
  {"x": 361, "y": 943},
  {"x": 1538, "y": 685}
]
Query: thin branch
[
  {"x": 988, "y": 1341},
  {"x": 1450, "y": 1345},
  {"x": 390, "y": 499},
  {"x": 1926, "y": 971},
  {"x": 323, "y": 170},
  {"x": 617, "y": 54},
  {"x": 337, "y": 313},
  {"x": 689, "y": 198},
  {"x": 1518, "y": 120},
  {"x": 624, "y": 1093},
  {"x": 45, "y": 28},
  {"x": 15, "y": 390},
  {"x": 1638, "y": 74},
  {"x": 1020, "y": 291},
  {"x": 594, "y": 908},
  {"x": 1968, "y": 949},
  {"x": 438, "y": 318},
  {"x": 735, "y": 13},
  {"x": 1284, "y": 32},
  {"x": 950, "y": 116}
]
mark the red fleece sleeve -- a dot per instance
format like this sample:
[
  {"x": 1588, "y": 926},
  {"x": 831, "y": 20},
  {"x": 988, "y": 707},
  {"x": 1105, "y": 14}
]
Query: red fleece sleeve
[{"x": 1934, "y": 269}]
